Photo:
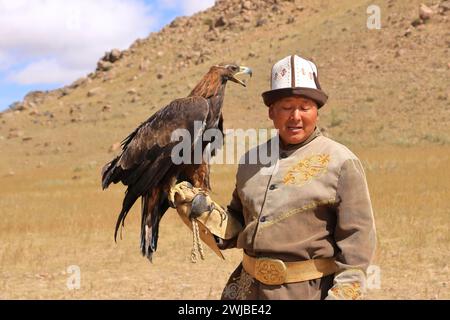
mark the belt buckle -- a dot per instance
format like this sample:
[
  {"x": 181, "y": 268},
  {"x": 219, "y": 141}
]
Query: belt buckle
[{"x": 270, "y": 271}]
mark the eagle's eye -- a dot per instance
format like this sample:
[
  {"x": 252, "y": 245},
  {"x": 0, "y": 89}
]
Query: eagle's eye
[{"x": 233, "y": 68}]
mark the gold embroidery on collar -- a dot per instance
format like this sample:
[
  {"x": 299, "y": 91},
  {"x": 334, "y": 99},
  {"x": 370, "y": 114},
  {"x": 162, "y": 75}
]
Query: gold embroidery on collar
[
  {"x": 307, "y": 169},
  {"x": 309, "y": 206}
]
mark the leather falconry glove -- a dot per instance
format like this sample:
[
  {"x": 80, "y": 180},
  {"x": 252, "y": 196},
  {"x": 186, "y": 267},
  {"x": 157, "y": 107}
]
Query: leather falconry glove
[{"x": 203, "y": 216}]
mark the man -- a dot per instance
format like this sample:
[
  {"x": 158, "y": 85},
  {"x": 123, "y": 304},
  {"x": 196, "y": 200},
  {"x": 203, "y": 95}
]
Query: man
[{"x": 307, "y": 228}]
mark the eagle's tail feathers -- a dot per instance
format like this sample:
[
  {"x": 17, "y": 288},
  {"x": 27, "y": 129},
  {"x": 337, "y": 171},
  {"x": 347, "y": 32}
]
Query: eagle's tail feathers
[
  {"x": 152, "y": 211},
  {"x": 128, "y": 201}
]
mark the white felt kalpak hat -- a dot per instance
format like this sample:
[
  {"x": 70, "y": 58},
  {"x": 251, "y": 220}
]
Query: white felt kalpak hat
[{"x": 294, "y": 75}]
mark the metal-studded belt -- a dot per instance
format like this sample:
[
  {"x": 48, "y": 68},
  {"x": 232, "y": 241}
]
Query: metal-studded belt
[{"x": 276, "y": 272}]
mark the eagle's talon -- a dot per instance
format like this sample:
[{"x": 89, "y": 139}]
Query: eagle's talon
[{"x": 180, "y": 190}]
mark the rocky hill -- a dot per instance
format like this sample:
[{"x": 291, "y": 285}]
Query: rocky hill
[
  {"x": 386, "y": 86},
  {"x": 389, "y": 101}
]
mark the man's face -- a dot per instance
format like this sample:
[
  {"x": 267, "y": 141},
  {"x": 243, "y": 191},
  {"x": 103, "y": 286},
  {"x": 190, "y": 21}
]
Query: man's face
[{"x": 295, "y": 118}]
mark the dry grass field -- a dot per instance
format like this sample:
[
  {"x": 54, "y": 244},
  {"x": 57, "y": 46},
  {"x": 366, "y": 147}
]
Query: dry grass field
[
  {"x": 389, "y": 102},
  {"x": 51, "y": 221}
]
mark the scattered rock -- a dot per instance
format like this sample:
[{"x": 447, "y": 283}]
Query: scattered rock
[
  {"x": 417, "y": 22},
  {"x": 421, "y": 27},
  {"x": 444, "y": 6},
  {"x": 18, "y": 106},
  {"x": 65, "y": 91},
  {"x": 407, "y": 32},
  {"x": 132, "y": 91},
  {"x": 35, "y": 97},
  {"x": 27, "y": 139},
  {"x": 246, "y": 16},
  {"x": 176, "y": 22},
  {"x": 290, "y": 20},
  {"x": 15, "y": 134},
  {"x": 48, "y": 114},
  {"x": 425, "y": 13},
  {"x": 399, "y": 53},
  {"x": 212, "y": 35},
  {"x": 106, "y": 108},
  {"x": 108, "y": 76},
  {"x": 11, "y": 173},
  {"x": 115, "y": 55},
  {"x": 79, "y": 82},
  {"x": 103, "y": 65},
  {"x": 247, "y": 5},
  {"x": 371, "y": 59},
  {"x": 159, "y": 76},
  {"x": 260, "y": 22},
  {"x": 220, "y": 22},
  {"x": 112, "y": 56},
  {"x": 74, "y": 109},
  {"x": 93, "y": 92},
  {"x": 160, "y": 53},
  {"x": 77, "y": 119}
]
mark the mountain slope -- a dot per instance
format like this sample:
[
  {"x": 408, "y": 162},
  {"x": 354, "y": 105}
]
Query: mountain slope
[{"x": 384, "y": 87}]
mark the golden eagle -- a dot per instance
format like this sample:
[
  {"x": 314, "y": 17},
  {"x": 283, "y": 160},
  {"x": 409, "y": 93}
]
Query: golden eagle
[{"x": 145, "y": 165}]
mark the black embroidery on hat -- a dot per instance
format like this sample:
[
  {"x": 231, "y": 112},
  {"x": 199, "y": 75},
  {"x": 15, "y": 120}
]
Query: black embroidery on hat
[{"x": 316, "y": 79}]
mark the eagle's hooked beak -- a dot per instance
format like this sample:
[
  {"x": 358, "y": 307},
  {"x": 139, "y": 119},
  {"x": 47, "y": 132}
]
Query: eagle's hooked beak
[{"x": 242, "y": 70}]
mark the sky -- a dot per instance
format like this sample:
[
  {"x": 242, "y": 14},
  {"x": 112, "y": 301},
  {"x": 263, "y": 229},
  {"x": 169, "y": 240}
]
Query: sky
[{"x": 46, "y": 44}]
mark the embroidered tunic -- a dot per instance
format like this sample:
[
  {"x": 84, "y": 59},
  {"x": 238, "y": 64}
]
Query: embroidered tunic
[{"x": 313, "y": 204}]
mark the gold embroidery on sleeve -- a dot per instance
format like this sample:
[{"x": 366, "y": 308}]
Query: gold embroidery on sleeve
[
  {"x": 347, "y": 291},
  {"x": 309, "y": 206},
  {"x": 307, "y": 169}
]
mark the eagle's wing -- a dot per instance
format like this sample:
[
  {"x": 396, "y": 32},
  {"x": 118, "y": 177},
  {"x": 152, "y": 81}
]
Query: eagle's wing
[
  {"x": 147, "y": 142},
  {"x": 146, "y": 155}
]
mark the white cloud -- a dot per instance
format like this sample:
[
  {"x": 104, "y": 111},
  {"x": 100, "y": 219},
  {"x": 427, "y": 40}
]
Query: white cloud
[
  {"x": 66, "y": 38},
  {"x": 46, "y": 71},
  {"x": 6, "y": 61}
]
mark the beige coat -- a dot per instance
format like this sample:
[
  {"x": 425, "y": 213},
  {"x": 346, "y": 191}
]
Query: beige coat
[{"x": 315, "y": 205}]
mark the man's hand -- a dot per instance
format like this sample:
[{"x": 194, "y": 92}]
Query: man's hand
[
  {"x": 189, "y": 201},
  {"x": 195, "y": 203},
  {"x": 181, "y": 193}
]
